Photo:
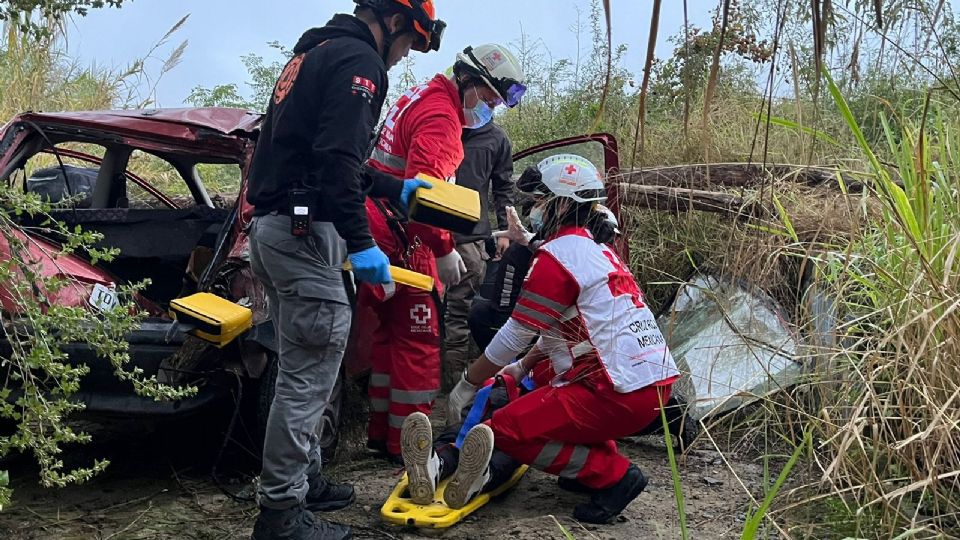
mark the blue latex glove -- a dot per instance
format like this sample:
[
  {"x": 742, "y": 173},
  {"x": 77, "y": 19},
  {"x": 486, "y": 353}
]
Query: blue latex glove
[
  {"x": 409, "y": 188},
  {"x": 371, "y": 265}
]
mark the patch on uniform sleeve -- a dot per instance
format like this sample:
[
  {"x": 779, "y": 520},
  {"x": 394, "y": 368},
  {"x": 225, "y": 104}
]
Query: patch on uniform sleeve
[
  {"x": 363, "y": 86},
  {"x": 287, "y": 78}
]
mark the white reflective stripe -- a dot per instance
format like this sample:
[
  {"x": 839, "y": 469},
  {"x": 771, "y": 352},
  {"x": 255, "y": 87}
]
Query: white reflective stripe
[
  {"x": 413, "y": 397},
  {"x": 570, "y": 314},
  {"x": 395, "y": 421},
  {"x": 581, "y": 349},
  {"x": 507, "y": 287},
  {"x": 535, "y": 315},
  {"x": 389, "y": 160},
  {"x": 577, "y": 460},
  {"x": 379, "y": 405},
  {"x": 548, "y": 455},
  {"x": 543, "y": 301},
  {"x": 380, "y": 380}
]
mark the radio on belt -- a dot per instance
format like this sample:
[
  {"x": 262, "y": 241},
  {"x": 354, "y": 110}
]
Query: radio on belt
[
  {"x": 447, "y": 206},
  {"x": 300, "y": 215}
]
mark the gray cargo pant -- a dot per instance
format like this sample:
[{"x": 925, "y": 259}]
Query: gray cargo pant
[
  {"x": 458, "y": 298},
  {"x": 311, "y": 315}
]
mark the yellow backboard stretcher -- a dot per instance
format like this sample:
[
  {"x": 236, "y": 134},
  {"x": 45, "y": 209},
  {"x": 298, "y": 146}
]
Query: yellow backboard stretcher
[{"x": 402, "y": 511}]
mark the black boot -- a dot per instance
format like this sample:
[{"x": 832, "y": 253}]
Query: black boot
[
  {"x": 325, "y": 496},
  {"x": 606, "y": 504},
  {"x": 296, "y": 523},
  {"x": 573, "y": 485},
  {"x": 380, "y": 450}
]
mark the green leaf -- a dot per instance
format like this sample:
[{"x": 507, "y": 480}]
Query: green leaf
[
  {"x": 675, "y": 474},
  {"x": 563, "y": 530},
  {"x": 790, "y": 124},
  {"x": 754, "y": 519},
  {"x": 785, "y": 219}
]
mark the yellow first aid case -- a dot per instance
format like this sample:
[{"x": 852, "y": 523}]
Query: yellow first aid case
[
  {"x": 446, "y": 205},
  {"x": 400, "y": 510},
  {"x": 211, "y": 318},
  {"x": 405, "y": 277}
]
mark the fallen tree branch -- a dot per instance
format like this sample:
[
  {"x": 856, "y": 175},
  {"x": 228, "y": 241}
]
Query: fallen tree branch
[
  {"x": 678, "y": 199},
  {"x": 694, "y": 176}
]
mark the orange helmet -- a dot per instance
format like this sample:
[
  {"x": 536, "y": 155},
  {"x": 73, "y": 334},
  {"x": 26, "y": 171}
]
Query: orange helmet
[{"x": 423, "y": 15}]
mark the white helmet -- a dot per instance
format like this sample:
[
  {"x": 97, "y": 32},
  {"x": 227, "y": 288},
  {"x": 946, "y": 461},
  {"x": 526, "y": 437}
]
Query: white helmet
[
  {"x": 498, "y": 67},
  {"x": 572, "y": 176}
]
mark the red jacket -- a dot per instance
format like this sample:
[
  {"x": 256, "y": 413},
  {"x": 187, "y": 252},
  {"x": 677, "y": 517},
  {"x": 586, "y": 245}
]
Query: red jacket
[{"x": 421, "y": 134}]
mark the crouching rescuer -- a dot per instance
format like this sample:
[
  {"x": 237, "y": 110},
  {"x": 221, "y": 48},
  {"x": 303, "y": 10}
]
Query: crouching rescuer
[
  {"x": 309, "y": 218},
  {"x": 600, "y": 362}
]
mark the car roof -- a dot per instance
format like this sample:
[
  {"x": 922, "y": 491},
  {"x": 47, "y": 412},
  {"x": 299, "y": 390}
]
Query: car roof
[{"x": 168, "y": 122}]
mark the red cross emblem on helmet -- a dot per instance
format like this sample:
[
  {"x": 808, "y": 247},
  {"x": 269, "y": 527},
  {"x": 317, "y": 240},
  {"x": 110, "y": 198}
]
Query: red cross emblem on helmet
[{"x": 570, "y": 169}]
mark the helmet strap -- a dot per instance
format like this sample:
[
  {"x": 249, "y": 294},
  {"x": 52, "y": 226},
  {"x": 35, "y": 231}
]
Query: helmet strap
[
  {"x": 465, "y": 78},
  {"x": 388, "y": 37},
  {"x": 462, "y": 83}
]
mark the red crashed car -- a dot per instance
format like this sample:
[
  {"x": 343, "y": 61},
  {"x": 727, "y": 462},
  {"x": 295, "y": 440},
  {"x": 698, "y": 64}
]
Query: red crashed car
[{"x": 145, "y": 177}]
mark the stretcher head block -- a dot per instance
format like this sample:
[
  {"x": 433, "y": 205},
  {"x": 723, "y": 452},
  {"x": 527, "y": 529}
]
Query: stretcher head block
[
  {"x": 211, "y": 318},
  {"x": 404, "y": 277},
  {"x": 448, "y": 206},
  {"x": 400, "y": 510}
]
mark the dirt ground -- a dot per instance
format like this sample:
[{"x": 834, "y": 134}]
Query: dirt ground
[{"x": 159, "y": 486}]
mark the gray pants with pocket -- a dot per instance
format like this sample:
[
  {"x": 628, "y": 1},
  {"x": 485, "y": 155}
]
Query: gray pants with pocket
[
  {"x": 311, "y": 315},
  {"x": 458, "y": 300}
]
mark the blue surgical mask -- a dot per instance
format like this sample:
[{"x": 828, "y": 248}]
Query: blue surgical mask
[
  {"x": 536, "y": 219},
  {"x": 477, "y": 117}
]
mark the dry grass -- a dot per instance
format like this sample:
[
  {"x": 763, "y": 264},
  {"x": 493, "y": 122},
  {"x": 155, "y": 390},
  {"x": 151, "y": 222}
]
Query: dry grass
[{"x": 882, "y": 392}]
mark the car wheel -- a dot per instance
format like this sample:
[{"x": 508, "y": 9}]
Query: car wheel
[{"x": 329, "y": 427}]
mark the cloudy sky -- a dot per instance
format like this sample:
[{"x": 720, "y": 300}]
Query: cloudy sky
[{"x": 219, "y": 32}]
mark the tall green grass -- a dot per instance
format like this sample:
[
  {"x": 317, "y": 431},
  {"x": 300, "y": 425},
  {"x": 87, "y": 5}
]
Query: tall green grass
[{"x": 891, "y": 434}]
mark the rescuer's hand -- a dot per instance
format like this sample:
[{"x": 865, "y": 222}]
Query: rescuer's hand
[
  {"x": 460, "y": 396},
  {"x": 516, "y": 370},
  {"x": 370, "y": 265},
  {"x": 451, "y": 268},
  {"x": 409, "y": 188},
  {"x": 515, "y": 232}
]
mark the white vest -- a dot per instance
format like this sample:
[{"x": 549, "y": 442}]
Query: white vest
[{"x": 618, "y": 329}]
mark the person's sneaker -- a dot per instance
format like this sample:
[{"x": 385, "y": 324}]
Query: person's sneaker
[
  {"x": 296, "y": 523},
  {"x": 421, "y": 462},
  {"x": 606, "y": 504},
  {"x": 326, "y": 496},
  {"x": 573, "y": 485},
  {"x": 473, "y": 471}
]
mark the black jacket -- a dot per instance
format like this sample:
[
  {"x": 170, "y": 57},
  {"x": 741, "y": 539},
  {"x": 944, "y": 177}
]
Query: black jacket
[
  {"x": 487, "y": 167},
  {"x": 319, "y": 125}
]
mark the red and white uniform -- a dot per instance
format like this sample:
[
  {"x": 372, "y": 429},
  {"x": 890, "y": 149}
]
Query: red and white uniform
[
  {"x": 613, "y": 368},
  {"x": 421, "y": 134}
]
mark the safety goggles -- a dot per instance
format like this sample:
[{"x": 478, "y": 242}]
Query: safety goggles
[
  {"x": 493, "y": 102},
  {"x": 433, "y": 28},
  {"x": 509, "y": 89}
]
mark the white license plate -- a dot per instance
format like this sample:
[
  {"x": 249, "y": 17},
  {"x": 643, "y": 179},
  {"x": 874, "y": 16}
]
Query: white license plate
[{"x": 103, "y": 298}]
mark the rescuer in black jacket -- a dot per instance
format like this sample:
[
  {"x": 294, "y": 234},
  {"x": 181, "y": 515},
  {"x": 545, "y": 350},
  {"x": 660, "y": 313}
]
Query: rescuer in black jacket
[{"x": 309, "y": 218}]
